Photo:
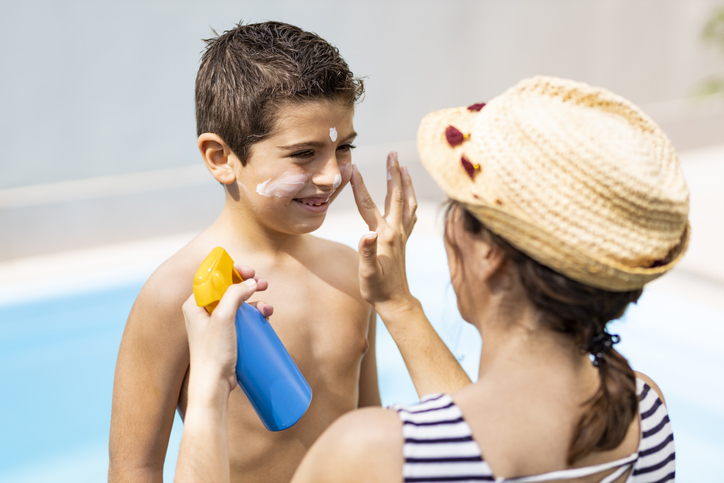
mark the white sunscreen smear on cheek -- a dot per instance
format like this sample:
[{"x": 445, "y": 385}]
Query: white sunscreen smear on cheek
[
  {"x": 288, "y": 184},
  {"x": 333, "y": 134},
  {"x": 337, "y": 181},
  {"x": 346, "y": 171}
]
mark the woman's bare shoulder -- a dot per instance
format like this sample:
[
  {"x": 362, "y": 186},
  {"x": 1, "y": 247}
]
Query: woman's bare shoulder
[{"x": 362, "y": 445}]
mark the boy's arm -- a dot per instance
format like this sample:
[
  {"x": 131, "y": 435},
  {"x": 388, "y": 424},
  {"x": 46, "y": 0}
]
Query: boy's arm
[
  {"x": 152, "y": 363},
  {"x": 369, "y": 390}
]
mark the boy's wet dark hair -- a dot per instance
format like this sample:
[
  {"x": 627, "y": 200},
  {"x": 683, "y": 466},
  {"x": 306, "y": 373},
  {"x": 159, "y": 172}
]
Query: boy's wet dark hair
[{"x": 248, "y": 72}]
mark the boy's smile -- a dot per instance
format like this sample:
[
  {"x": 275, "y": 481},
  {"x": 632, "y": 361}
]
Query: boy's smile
[
  {"x": 315, "y": 204},
  {"x": 291, "y": 177}
]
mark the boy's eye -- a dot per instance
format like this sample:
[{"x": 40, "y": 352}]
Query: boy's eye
[
  {"x": 303, "y": 154},
  {"x": 346, "y": 147}
]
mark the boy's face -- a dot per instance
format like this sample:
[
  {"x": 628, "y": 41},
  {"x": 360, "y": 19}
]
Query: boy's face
[{"x": 291, "y": 177}]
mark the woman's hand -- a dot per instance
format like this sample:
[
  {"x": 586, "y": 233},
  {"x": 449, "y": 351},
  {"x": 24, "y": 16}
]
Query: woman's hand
[
  {"x": 383, "y": 283},
  {"x": 383, "y": 280},
  {"x": 204, "y": 453},
  {"x": 212, "y": 338}
]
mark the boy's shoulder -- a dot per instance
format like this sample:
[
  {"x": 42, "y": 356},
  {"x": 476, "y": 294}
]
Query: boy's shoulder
[{"x": 172, "y": 282}]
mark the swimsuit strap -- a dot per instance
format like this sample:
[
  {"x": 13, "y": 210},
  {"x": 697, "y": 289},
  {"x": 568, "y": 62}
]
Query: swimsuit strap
[
  {"x": 623, "y": 463},
  {"x": 616, "y": 474}
]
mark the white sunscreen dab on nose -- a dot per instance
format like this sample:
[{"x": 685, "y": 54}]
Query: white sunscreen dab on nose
[
  {"x": 333, "y": 134},
  {"x": 337, "y": 181},
  {"x": 285, "y": 185}
]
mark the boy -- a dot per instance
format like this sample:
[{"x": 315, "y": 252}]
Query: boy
[{"x": 274, "y": 109}]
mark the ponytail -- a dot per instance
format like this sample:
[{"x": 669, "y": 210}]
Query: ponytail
[{"x": 608, "y": 414}]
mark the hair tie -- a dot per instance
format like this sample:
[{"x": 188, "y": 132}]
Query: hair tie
[{"x": 601, "y": 344}]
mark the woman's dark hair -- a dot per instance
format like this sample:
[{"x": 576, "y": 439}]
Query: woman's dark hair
[
  {"x": 248, "y": 72},
  {"x": 581, "y": 312}
]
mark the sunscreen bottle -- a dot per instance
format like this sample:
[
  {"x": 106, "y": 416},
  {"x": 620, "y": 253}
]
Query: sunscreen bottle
[{"x": 266, "y": 372}]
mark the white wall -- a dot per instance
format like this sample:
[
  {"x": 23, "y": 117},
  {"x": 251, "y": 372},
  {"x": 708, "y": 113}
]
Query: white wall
[{"x": 101, "y": 87}]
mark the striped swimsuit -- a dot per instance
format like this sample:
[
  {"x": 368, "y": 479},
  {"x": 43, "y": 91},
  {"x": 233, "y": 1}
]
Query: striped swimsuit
[{"x": 439, "y": 446}]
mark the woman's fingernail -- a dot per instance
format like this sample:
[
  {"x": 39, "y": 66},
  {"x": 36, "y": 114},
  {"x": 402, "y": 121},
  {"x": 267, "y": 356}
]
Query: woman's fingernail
[{"x": 403, "y": 169}]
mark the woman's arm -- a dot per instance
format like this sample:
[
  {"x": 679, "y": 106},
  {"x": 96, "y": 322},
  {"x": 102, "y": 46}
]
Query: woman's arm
[
  {"x": 204, "y": 453},
  {"x": 383, "y": 282}
]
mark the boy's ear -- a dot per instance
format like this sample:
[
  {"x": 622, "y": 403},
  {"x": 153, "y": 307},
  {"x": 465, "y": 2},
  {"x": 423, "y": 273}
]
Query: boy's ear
[{"x": 218, "y": 156}]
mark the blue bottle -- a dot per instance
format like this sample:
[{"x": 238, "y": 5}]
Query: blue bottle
[{"x": 266, "y": 372}]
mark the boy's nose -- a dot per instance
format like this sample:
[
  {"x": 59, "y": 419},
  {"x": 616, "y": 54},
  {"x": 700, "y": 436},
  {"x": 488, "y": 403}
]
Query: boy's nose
[{"x": 328, "y": 177}]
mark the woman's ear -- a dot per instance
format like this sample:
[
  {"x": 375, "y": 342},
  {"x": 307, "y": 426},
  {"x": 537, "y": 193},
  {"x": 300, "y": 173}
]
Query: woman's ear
[
  {"x": 218, "y": 157},
  {"x": 493, "y": 265}
]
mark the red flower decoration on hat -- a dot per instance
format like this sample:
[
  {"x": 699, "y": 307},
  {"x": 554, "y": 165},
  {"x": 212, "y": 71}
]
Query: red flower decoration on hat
[
  {"x": 476, "y": 107},
  {"x": 470, "y": 168},
  {"x": 454, "y": 136}
]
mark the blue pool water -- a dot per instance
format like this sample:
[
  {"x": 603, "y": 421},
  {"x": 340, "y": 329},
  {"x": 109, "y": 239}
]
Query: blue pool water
[{"x": 57, "y": 358}]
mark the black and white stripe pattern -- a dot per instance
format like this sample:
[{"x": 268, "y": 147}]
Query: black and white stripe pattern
[
  {"x": 439, "y": 445},
  {"x": 657, "y": 458}
]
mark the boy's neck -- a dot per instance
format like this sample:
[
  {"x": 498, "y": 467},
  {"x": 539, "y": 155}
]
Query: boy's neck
[{"x": 246, "y": 232}]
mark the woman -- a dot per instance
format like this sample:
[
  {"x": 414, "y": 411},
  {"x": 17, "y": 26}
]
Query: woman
[{"x": 565, "y": 200}]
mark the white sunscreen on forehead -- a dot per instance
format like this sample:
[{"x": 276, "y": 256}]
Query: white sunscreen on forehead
[
  {"x": 333, "y": 134},
  {"x": 288, "y": 184}
]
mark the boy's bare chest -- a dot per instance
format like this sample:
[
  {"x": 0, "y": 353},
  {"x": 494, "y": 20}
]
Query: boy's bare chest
[{"x": 321, "y": 320}]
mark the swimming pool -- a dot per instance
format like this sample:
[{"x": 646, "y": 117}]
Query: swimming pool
[{"x": 57, "y": 357}]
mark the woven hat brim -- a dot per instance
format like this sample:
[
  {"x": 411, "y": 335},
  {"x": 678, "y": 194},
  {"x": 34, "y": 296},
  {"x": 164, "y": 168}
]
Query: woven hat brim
[{"x": 443, "y": 163}]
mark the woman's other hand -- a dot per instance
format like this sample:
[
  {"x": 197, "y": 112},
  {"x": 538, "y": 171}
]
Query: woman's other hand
[
  {"x": 212, "y": 338},
  {"x": 383, "y": 279}
]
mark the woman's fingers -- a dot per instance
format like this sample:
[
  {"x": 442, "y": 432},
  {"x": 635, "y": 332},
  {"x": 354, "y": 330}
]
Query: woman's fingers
[
  {"x": 392, "y": 178},
  {"x": 247, "y": 273},
  {"x": 367, "y": 248},
  {"x": 244, "y": 271},
  {"x": 365, "y": 203},
  {"x": 409, "y": 218},
  {"x": 234, "y": 296},
  {"x": 394, "y": 202},
  {"x": 190, "y": 309},
  {"x": 263, "y": 307}
]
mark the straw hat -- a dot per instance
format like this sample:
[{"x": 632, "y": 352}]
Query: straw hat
[{"x": 574, "y": 176}]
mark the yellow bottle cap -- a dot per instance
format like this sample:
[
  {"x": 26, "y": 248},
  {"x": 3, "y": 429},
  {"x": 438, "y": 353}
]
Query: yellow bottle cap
[{"x": 214, "y": 276}]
